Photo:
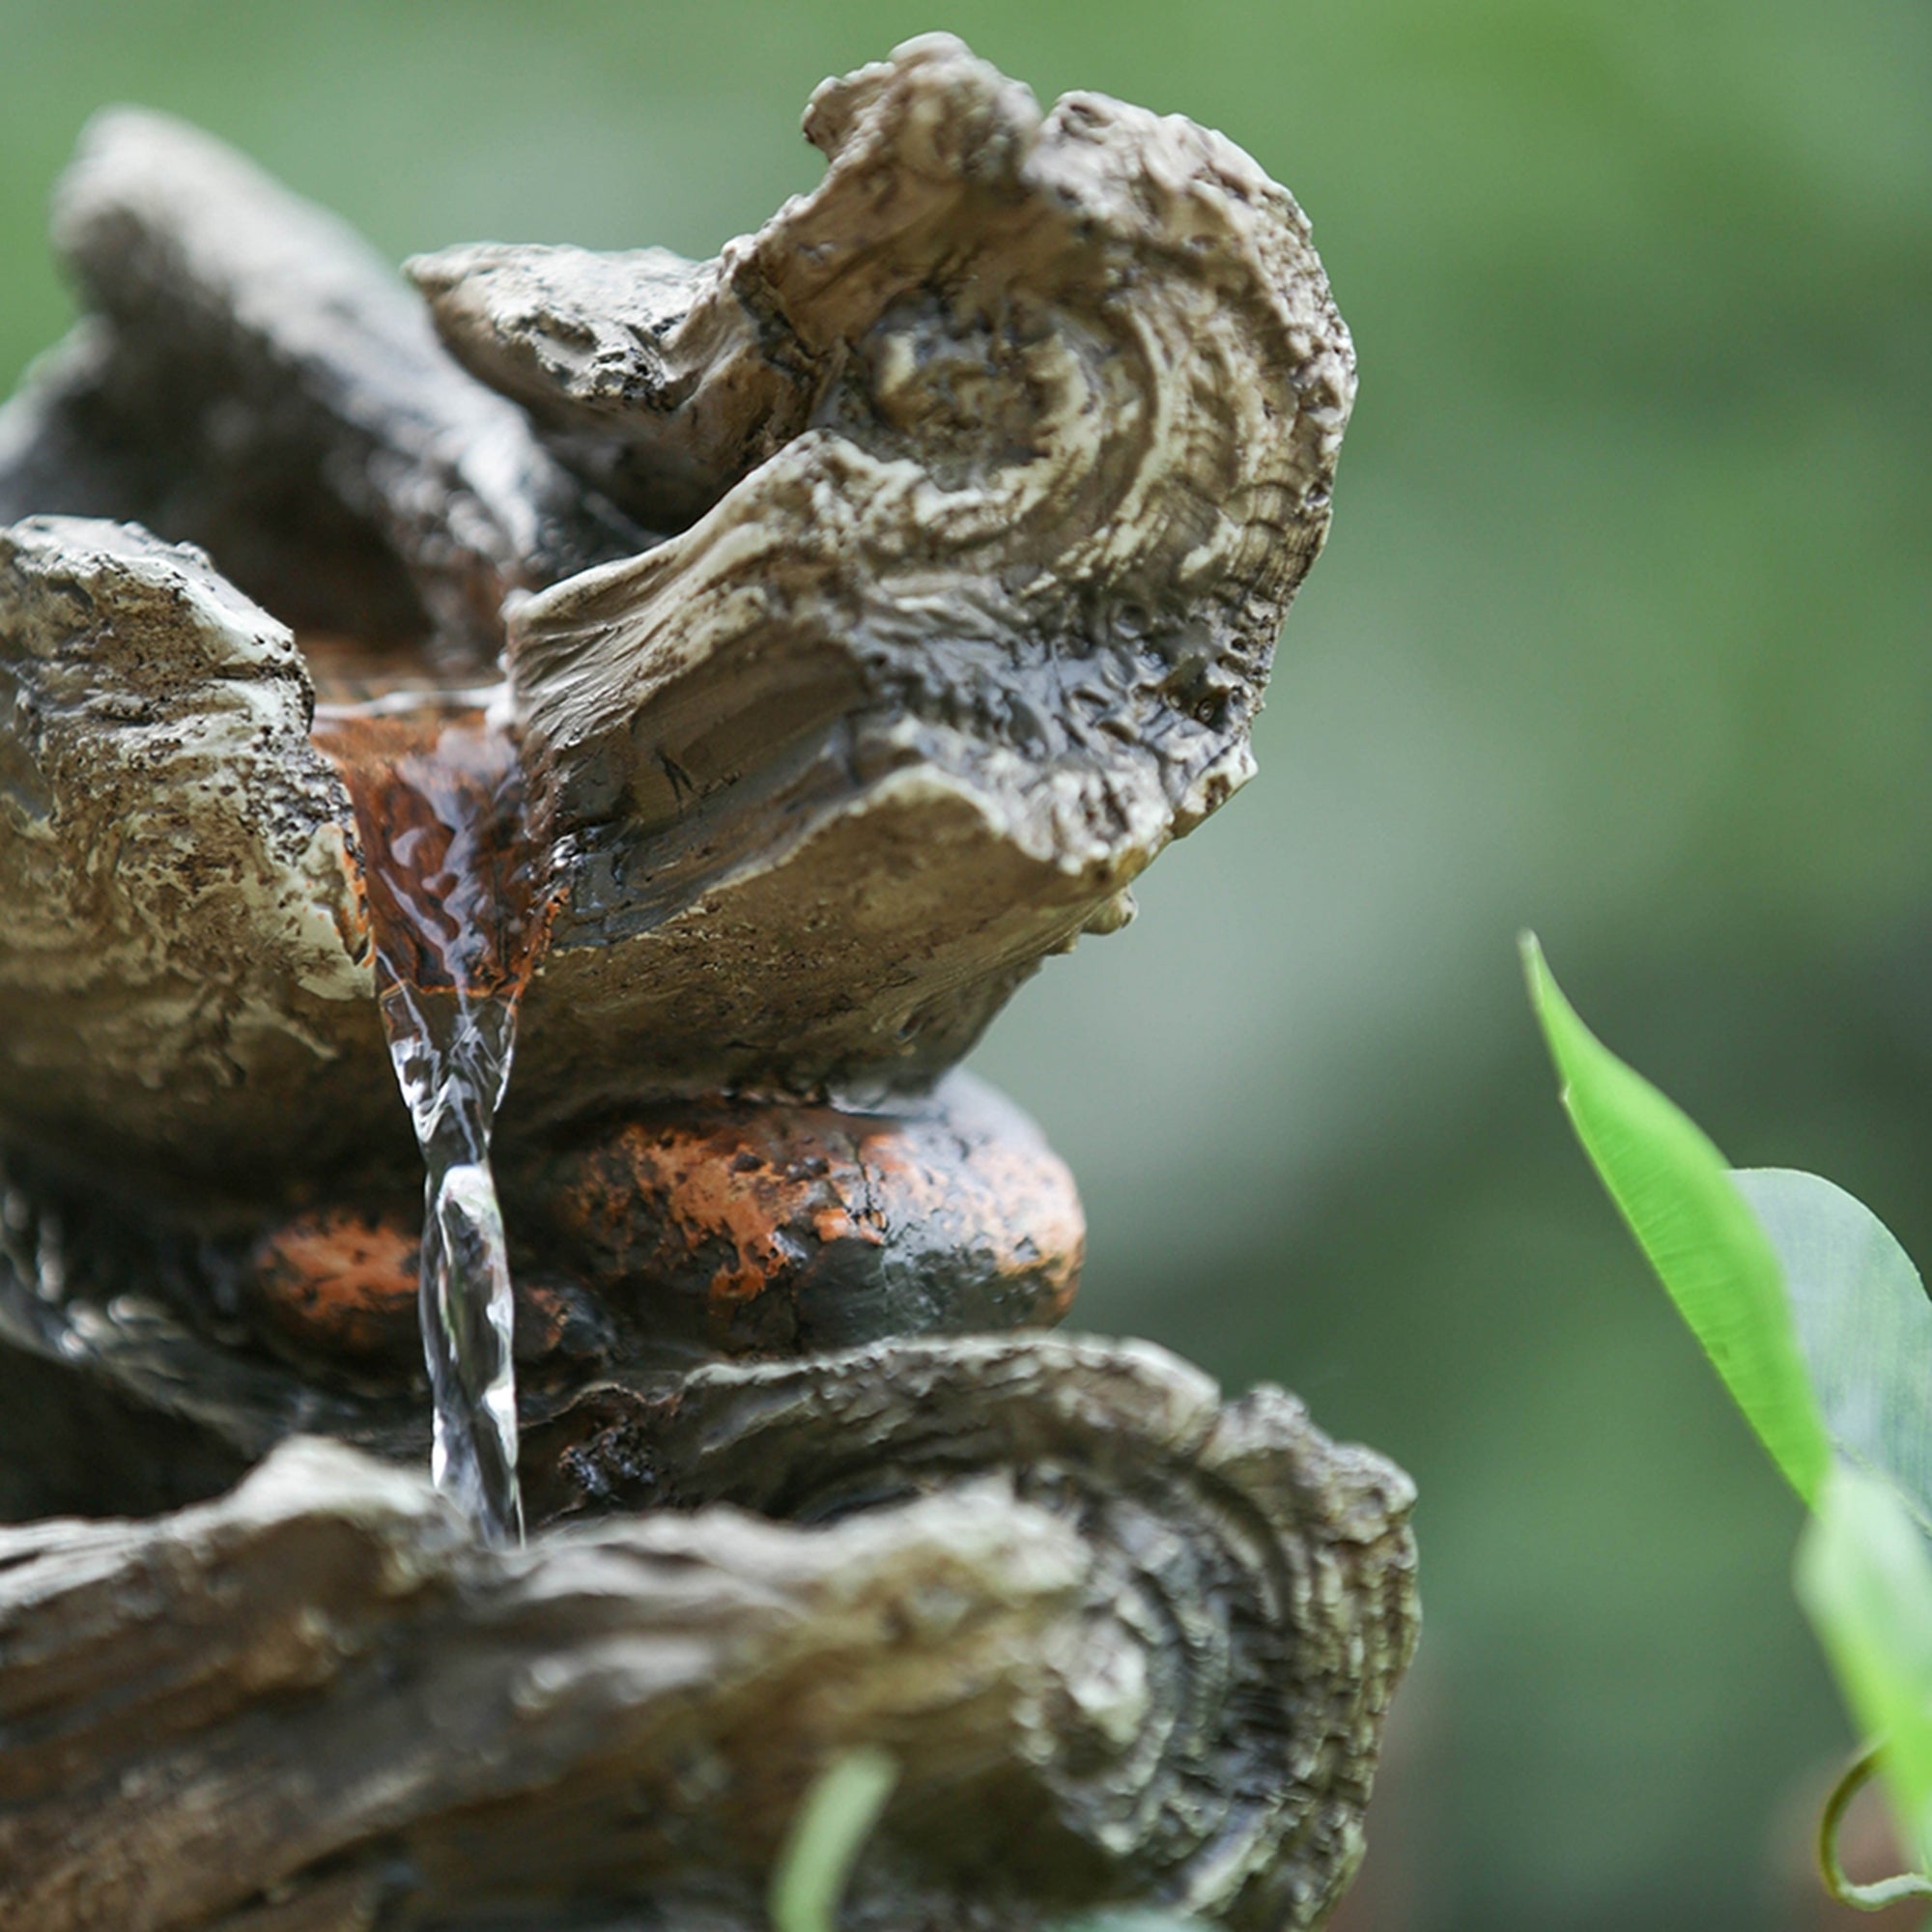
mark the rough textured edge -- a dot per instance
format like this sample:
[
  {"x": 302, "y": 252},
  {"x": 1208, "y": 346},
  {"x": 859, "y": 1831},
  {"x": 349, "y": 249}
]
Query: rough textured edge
[
  {"x": 180, "y": 914},
  {"x": 1031, "y": 420},
  {"x": 1010, "y": 1606},
  {"x": 1057, "y": 401},
  {"x": 253, "y": 376}
]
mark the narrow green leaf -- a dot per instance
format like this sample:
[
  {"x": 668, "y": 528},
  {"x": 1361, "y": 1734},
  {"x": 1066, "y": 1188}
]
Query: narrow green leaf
[
  {"x": 1865, "y": 1324},
  {"x": 1694, "y": 1226},
  {"x": 1134, "y": 1920},
  {"x": 1864, "y": 1576},
  {"x": 831, "y": 1825}
]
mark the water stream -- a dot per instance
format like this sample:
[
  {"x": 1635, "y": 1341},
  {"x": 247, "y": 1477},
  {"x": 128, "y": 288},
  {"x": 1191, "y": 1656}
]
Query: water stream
[{"x": 453, "y": 895}]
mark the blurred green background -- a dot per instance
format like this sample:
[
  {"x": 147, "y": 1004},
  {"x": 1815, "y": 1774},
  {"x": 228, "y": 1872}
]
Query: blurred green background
[{"x": 1621, "y": 634}]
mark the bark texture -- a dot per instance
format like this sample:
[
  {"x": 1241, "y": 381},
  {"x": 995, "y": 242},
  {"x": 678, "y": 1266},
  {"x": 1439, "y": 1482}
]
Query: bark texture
[
  {"x": 1007, "y": 449},
  {"x": 254, "y": 377},
  {"x": 180, "y": 922},
  {"x": 1124, "y": 1641},
  {"x": 1021, "y": 431},
  {"x": 875, "y": 602}
]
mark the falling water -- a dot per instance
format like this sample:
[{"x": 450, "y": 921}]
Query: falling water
[{"x": 450, "y": 877}]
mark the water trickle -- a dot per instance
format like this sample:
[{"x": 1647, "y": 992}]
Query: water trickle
[{"x": 450, "y": 873}]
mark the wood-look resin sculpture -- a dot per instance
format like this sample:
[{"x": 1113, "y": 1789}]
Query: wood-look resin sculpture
[{"x": 754, "y": 669}]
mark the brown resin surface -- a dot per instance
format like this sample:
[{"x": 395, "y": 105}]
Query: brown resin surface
[
  {"x": 874, "y": 603},
  {"x": 721, "y": 1227}
]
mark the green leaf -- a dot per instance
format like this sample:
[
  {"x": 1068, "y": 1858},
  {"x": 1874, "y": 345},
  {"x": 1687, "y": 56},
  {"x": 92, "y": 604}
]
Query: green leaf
[
  {"x": 1131, "y": 1922},
  {"x": 1696, "y": 1229},
  {"x": 1864, "y": 1576},
  {"x": 831, "y": 1825},
  {"x": 1863, "y": 1323}
]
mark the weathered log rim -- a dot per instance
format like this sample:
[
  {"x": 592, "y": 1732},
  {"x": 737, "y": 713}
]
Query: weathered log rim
[
  {"x": 1127, "y": 1642},
  {"x": 1022, "y": 430}
]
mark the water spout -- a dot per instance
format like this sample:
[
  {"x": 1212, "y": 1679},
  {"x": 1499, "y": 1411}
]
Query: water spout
[{"x": 450, "y": 877}]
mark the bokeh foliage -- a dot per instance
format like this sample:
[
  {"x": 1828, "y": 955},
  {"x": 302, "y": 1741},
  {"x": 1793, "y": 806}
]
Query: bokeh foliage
[{"x": 1621, "y": 633}]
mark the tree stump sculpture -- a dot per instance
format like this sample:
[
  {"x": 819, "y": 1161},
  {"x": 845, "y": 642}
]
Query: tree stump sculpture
[{"x": 861, "y": 611}]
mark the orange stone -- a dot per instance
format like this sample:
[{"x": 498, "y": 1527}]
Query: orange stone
[{"x": 724, "y": 1227}]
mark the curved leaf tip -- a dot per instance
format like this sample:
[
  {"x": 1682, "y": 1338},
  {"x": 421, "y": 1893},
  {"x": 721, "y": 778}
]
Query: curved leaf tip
[{"x": 1694, "y": 1226}]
